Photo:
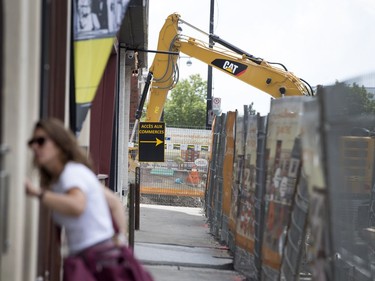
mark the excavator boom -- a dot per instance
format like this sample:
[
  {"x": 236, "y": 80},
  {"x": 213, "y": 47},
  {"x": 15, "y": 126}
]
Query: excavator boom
[{"x": 276, "y": 81}]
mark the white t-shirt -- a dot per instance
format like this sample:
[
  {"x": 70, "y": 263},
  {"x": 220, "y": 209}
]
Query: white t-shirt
[{"x": 95, "y": 223}]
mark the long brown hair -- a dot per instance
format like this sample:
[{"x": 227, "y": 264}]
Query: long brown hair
[{"x": 66, "y": 141}]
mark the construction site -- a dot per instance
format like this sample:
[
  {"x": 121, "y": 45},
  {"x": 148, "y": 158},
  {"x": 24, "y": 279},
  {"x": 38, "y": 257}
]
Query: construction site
[{"x": 283, "y": 194}]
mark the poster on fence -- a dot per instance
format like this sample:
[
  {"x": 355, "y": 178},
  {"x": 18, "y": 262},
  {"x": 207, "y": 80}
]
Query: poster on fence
[
  {"x": 313, "y": 168},
  {"x": 282, "y": 174},
  {"x": 228, "y": 162},
  {"x": 246, "y": 212},
  {"x": 239, "y": 156}
]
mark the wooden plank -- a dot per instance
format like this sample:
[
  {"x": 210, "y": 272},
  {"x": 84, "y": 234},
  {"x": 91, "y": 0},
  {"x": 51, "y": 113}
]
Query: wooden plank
[{"x": 172, "y": 191}]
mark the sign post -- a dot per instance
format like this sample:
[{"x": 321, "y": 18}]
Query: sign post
[
  {"x": 151, "y": 136},
  {"x": 210, "y": 117},
  {"x": 216, "y": 104}
]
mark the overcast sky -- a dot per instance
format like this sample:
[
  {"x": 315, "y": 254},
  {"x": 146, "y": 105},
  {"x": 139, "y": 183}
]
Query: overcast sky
[{"x": 318, "y": 40}]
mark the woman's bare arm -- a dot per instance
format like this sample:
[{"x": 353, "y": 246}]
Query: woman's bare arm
[
  {"x": 72, "y": 203},
  {"x": 117, "y": 210}
]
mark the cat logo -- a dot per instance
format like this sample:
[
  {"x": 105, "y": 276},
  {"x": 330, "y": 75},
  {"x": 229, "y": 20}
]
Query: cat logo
[
  {"x": 229, "y": 66},
  {"x": 232, "y": 67}
]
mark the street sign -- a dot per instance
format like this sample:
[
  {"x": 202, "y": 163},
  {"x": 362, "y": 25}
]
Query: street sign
[
  {"x": 151, "y": 136},
  {"x": 216, "y": 104}
]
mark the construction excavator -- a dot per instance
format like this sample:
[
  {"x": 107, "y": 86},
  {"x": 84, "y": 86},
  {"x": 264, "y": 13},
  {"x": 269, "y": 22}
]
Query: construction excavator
[
  {"x": 272, "y": 78},
  {"x": 269, "y": 77}
]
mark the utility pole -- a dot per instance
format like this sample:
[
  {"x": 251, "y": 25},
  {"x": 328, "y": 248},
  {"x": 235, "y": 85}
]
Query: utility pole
[{"x": 209, "y": 73}]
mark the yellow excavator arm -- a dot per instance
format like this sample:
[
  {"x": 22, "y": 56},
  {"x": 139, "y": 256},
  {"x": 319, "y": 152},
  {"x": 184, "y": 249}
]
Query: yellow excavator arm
[{"x": 276, "y": 81}]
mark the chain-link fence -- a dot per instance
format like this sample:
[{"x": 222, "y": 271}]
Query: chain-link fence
[
  {"x": 283, "y": 172},
  {"x": 245, "y": 223},
  {"x": 301, "y": 202},
  {"x": 181, "y": 178},
  {"x": 292, "y": 194},
  {"x": 347, "y": 132}
]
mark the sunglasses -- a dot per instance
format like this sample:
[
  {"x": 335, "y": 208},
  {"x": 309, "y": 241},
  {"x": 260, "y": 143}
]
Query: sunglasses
[{"x": 40, "y": 141}]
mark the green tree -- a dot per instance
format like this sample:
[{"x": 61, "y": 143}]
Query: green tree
[
  {"x": 186, "y": 104},
  {"x": 353, "y": 99}
]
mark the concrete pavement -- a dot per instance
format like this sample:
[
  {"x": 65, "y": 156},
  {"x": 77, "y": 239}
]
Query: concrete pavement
[{"x": 174, "y": 243}]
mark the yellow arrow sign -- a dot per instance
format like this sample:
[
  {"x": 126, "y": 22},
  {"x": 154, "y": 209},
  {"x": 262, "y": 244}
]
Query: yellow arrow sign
[{"x": 157, "y": 142}]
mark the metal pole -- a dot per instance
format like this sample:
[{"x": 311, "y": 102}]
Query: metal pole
[
  {"x": 131, "y": 215},
  {"x": 137, "y": 197},
  {"x": 209, "y": 73}
]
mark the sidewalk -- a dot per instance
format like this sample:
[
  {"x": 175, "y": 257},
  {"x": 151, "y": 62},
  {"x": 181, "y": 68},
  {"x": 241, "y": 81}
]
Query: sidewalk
[{"x": 174, "y": 243}]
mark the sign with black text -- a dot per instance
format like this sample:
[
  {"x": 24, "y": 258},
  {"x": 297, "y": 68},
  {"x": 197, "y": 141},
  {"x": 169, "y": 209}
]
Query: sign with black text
[{"x": 151, "y": 136}]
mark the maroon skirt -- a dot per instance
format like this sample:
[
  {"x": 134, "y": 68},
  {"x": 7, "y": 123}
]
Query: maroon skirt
[{"x": 105, "y": 261}]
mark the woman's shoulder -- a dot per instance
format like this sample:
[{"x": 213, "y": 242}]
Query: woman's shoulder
[
  {"x": 76, "y": 167},
  {"x": 76, "y": 175}
]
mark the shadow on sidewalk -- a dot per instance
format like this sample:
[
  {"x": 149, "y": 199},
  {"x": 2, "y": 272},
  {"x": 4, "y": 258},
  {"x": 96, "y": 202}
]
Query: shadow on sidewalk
[{"x": 176, "y": 240}]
